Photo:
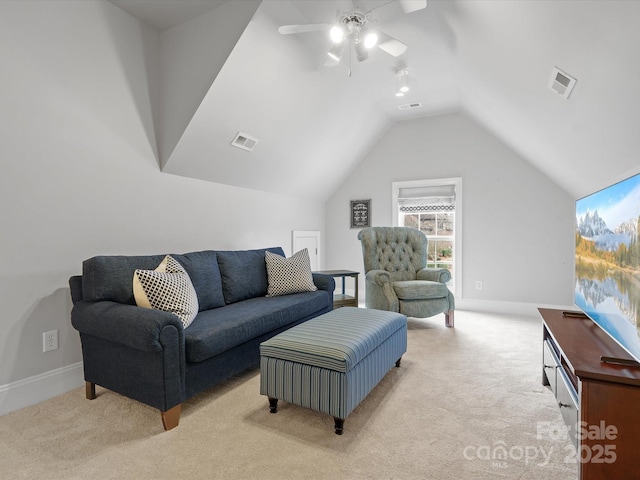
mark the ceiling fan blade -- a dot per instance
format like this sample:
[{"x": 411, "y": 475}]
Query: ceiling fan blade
[
  {"x": 390, "y": 45},
  {"x": 412, "y": 5},
  {"x": 393, "y": 8},
  {"x": 359, "y": 5},
  {"x": 312, "y": 27}
]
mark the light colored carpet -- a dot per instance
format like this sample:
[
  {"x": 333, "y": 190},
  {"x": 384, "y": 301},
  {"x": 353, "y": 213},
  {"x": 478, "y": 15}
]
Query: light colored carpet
[{"x": 467, "y": 403}]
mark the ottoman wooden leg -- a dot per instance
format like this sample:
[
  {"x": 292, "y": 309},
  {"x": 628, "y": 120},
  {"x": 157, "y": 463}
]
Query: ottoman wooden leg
[
  {"x": 339, "y": 425},
  {"x": 273, "y": 405},
  {"x": 398, "y": 362}
]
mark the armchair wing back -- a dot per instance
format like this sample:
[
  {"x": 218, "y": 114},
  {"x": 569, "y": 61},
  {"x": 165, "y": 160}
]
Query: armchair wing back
[
  {"x": 396, "y": 274},
  {"x": 400, "y": 251}
]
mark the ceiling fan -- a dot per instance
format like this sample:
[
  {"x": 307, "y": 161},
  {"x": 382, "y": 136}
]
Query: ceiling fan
[{"x": 353, "y": 28}]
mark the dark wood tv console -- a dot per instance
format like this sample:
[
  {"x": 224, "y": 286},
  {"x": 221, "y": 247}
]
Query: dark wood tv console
[{"x": 599, "y": 401}]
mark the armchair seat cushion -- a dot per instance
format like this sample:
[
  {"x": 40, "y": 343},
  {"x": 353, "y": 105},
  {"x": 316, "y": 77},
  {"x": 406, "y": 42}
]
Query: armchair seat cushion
[{"x": 419, "y": 290}]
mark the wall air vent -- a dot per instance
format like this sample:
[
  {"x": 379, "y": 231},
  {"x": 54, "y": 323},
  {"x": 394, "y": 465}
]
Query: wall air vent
[
  {"x": 244, "y": 141},
  {"x": 561, "y": 83},
  {"x": 409, "y": 106}
]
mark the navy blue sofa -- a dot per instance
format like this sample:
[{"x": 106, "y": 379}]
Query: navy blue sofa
[{"x": 147, "y": 355}]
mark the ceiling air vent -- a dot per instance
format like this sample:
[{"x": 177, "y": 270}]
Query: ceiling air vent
[
  {"x": 409, "y": 106},
  {"x": 561, "y": 83},
  {"x": 244, "y": 141}
]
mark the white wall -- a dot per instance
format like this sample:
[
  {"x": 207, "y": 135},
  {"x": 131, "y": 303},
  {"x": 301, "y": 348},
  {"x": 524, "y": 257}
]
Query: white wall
[
  {"x": 80, "y": 176},
  {"x": 517, "y": 231},
  {"x": 190, "y": 64}
]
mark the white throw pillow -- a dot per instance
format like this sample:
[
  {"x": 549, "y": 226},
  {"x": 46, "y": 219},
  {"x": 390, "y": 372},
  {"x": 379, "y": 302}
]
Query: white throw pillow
[
  {"x": 167, "y": 288},
  {"x": 289, "y": 275}
]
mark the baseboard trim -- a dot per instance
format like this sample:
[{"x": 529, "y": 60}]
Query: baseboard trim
[
  {"x": 36, "y": 389},
  {"x": 507, "y": 308}
]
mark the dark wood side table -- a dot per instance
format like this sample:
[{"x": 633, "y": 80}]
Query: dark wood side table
[{"x": 341, "y": 299}]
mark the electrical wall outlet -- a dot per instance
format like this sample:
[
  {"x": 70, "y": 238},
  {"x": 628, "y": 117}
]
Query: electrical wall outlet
[
  {"x": 50, "y": 341},
  {"x": 478, "y": 284}
]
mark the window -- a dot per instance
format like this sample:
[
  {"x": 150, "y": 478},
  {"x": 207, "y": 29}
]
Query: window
[{"x": 432, "y": 206}]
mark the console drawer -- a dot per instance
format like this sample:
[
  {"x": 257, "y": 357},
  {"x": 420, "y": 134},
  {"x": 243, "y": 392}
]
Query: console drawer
[
  {"x": 551, "y": 364},
  {"x": 568, "y": 403}
]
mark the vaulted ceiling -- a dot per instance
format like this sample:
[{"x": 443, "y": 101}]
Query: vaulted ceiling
[{"x": 225, "y": 69}]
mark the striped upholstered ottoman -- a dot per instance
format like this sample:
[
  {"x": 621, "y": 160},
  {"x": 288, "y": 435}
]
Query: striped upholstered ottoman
[{"x": 331, "y": 363}]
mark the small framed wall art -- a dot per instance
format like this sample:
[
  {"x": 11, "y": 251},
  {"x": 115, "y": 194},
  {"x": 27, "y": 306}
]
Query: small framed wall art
[{"x": 360, "y": 213}]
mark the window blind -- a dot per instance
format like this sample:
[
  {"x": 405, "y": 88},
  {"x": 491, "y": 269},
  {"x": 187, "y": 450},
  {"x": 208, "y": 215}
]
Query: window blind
[{"x": 425, "y": 199}]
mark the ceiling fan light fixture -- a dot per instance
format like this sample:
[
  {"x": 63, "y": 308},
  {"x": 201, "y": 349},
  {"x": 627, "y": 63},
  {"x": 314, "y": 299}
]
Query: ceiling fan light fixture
[
  {"x": 337, "y": 34},
  {"x": 370, "y": 39},
  {"x": 355, "y": 27},
  {"x": 361, "y": 52}
]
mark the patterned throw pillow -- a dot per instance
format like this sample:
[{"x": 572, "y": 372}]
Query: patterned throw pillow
[
  {"x": 167, "y": 288},
  {"x": 289, "y": 275}
]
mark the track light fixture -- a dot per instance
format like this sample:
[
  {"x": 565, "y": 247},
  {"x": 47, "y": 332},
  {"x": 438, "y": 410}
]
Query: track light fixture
[{"x": 403, "y": 82}]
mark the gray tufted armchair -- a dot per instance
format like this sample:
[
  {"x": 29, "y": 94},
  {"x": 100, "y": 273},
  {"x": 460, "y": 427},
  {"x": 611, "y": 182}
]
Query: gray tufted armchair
[{"x": 396, "y": 277}]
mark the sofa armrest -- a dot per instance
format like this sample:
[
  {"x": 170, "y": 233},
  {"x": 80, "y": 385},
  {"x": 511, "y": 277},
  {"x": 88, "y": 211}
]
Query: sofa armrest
[
  {"x": 75, "y": 288},
  {"x": 441, "y": 275},
  {"x": 324, "y": 282},
  {"x": 129, "y": 325}
]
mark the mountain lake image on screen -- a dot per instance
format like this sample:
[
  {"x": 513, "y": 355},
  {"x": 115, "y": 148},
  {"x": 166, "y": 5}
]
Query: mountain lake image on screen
[{"x": 607, "y": 261}]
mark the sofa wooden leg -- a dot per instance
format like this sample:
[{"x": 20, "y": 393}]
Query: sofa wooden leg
[
  {"x": 90, "y": 390},
  {"x": 448, "y": 318},
  {"x": 171, "y": 417},
  {"x": 398, "y": 362}
]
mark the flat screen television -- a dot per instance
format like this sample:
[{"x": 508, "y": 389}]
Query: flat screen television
[{"x": 607, "y": 263}]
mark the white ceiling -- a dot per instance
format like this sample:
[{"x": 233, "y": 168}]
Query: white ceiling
[
  {"x": 164, "y": 14},
  {"x": 491, "y": 59}
]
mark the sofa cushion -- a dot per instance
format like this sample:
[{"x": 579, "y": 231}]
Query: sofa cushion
[
  {"x": 419, "y": 290},
  {"x": 244, "y": 273},
  {"x": 218, "y": 330},
  {"x": 108, "y": 277},
  {"x": 203, "y": 270},
  {"x": 289, "y": 275},
  {"x": 167, "y": 288}
]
